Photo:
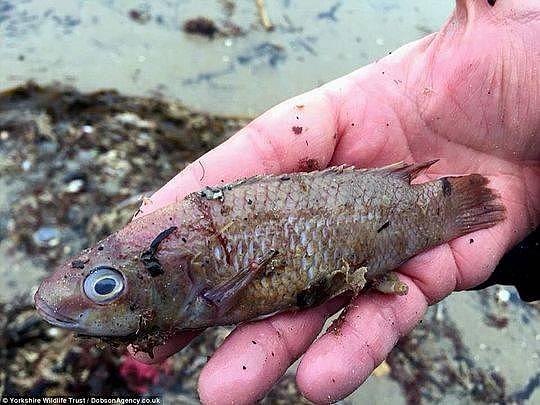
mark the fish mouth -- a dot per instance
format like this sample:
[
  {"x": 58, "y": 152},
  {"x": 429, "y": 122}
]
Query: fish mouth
[{"x": 47, "y": 313}]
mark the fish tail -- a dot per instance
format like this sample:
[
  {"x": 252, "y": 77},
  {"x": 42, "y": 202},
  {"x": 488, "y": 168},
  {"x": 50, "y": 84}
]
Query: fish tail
[{"x": 472, "y": 203}]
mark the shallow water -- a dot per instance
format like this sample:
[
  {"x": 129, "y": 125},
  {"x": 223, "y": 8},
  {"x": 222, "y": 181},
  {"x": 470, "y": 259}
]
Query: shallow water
[{"x": 97, "y": 44}]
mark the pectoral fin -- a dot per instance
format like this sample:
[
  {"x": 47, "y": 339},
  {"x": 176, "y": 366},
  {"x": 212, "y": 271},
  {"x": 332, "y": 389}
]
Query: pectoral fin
[{"x": 223, "y": 296}]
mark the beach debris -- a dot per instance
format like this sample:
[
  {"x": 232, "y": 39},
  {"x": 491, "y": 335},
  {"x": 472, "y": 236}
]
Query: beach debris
[
  {"x": 46, "y": 236},
  {"x": 263, "y": 15},
  {"x": 140, "y": 15},
  {"x": 132, "y": 119},
  {"x": 502, "y": 295},
  {"x": 202, "y": 26},
  {"x": 382, "y": 370}
]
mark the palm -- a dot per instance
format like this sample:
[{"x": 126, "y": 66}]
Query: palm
[
  {"x": 448, "y": 96},
  {"x": 456, "y": 101}
]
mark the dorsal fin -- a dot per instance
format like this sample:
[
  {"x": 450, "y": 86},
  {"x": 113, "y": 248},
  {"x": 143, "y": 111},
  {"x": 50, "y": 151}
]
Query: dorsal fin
[
  {"x": 407, "y": 171},
  {"x": 262, "y": 177}
]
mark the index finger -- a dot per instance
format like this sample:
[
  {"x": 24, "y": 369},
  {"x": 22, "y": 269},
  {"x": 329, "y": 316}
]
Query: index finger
[{"x": 299, "y": 134}]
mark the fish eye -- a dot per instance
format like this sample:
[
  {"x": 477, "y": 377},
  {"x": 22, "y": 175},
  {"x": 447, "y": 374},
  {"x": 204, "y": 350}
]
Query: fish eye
[{"x": 103, "y": 285}]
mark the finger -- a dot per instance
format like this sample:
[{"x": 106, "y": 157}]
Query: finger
[
  {"x": 298, "y": 134},
  {"x": 340, "y": 360},
  {"x": 256, "y": 355}
]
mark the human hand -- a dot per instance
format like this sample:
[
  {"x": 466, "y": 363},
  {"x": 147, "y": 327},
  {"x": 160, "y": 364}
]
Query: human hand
[{"x": 467, "y": 95}]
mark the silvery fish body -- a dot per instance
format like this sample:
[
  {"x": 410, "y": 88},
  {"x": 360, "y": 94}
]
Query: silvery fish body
[{"x": 262, "y": 245}]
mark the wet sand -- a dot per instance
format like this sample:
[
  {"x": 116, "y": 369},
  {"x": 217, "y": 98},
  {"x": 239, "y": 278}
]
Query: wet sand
[{"x": 140, "y": 48}]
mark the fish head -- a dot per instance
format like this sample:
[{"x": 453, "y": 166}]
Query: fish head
[{"x": 100, "y": 292}]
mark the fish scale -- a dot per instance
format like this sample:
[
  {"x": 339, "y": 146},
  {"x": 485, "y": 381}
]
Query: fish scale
[{"x": 302, "y": 234}]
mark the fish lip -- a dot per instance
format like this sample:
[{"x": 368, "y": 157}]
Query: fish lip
[{"x": 47, "y": 313}]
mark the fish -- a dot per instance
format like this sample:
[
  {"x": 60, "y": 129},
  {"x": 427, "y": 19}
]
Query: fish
[{"x": 259, "y": 246}]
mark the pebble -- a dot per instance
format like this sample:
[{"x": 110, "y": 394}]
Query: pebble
[
  {"x": 87, "y": 129},
  {"x": 439, "y": 314},
  {"x": 30, "y": 357},
  {"x": 129, "y": 118},
  {"x": 75, "y": 214},
  {"x": 503, "y": 295},
  {"x": 75, "y": 181},
  {"x": 48, "y": 147},
  {"x": 74, "y": 186},
  {"x": 53, "y": 333},
  {"x": 382, "y": 370},
  {"x": 46, "y": 236},
  {"x": 26, "y": 165}
]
